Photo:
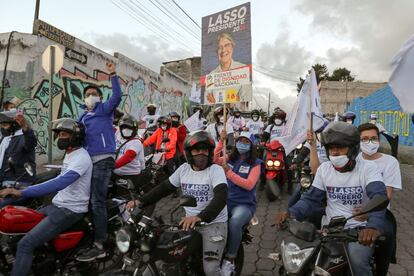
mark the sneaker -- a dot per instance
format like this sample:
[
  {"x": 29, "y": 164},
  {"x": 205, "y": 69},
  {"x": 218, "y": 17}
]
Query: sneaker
[
  {"x": 227, "y": 268},
  {"x": 91, "y": 254}
]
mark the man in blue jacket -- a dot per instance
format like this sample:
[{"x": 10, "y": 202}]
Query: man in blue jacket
[
  {"x": 101, "y": 146},
  {"x": 347, "y": 183}
]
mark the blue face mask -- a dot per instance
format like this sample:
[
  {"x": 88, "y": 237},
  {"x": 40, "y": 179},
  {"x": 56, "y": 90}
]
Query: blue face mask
[{"x": 243, "y": 148}]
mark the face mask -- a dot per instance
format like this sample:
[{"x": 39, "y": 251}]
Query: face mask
[
  {"x": 255, "y": 118},
  {"x": 5, "y": 132},
  {"x": 339, "y": 161},
  {"x": 373, "y": 122},
  {"x": 126, "y": 132},
  {"x": 278, "y": 122},
  {"x": 349, "y": 122},
  {"x": 63, "y": 143},
  {"x": 243, "y": 148},
  {"x": 369, "y": 148},
  {"x": 91, "y": 101},
  {"x": 164, "y": 127},
  {"x": 175, "y": 123},
  {"x": 151, "y": 111},
  {"x": 221, "y": 119},
  {"x": 200, "y": 161}
]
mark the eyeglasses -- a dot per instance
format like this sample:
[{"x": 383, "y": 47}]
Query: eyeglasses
[{"x": 366, "y": 140}]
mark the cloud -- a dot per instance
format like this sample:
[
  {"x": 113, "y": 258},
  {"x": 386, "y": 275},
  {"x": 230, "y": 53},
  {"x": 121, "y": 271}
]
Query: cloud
[
  {"x": 146, "y": 50},
  {"x": 376, "y": 30}
]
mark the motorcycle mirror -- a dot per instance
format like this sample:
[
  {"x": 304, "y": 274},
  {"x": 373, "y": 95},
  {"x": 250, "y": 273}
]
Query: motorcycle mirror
[
  {"x": 188, "y": 201},
  {"x": 377, "y": 203},
  {"x": 28, "y": 169}
]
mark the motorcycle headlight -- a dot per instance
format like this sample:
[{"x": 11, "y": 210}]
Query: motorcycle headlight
[
  {"x": 269, "y": 163},
  {"x": 123, "y": 240},
  {"x": 305, "y": 182},
  {"x": 276, "y": 163},
  {"x": 294, "y": 257}
]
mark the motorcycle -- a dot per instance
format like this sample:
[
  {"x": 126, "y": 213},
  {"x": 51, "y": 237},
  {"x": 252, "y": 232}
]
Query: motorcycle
[
  {"x": 57, "y": 257},
  {"x": 152, "y": 247},
  {"x": 310, "y": 252},
  {"x": 275, "y": 169}
]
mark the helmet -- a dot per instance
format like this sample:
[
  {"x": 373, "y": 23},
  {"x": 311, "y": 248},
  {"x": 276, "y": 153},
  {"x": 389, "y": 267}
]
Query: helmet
[
  {"x": 174, "y": 114},
  {"x": 349, "y": 115},
  {"x": 236, "y": 111},
  {"x": 75, "y": 128},
  {"x": 255, "y": 112},
  {"x": 219, "y": 111},
  {"x": 128, "y": 121},
  {"x": 200, "y": 139},
  {"x": 164, "y": 120},
  {"x": 279, "y": 114},
  {"x": 342, "y": 134},
  {"x": 9, "y": 118}
]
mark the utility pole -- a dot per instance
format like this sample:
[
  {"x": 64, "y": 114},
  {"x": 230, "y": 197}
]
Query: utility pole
[
  {"x": 36, "y": 16},
  {"x": 346, "y": 93},
  {"x": 268, "y": 106}
]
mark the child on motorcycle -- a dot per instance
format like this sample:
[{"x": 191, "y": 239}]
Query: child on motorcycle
[
  {"x": 205, "y": 181},
  {"x": 69, "y": 204},
  {"x": 242, "y": 169}
]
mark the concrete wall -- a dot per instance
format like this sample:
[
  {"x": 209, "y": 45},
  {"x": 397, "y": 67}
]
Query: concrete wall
[
  {"x": 334, "y": 94},
  {"x": 388, "y": 109},
  {"x": 30, "y": 83}
]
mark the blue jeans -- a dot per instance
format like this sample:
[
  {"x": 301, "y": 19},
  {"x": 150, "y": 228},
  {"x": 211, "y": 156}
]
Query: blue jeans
[
  {"x": 360, "y": 257},
  {"x": 239, "y": 216},
  {"x": 101, "y": 175},
  {"x": 56, "y": 221}
]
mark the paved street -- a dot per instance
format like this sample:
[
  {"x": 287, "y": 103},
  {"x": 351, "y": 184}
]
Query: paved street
[{"x": 267, "y": 239}]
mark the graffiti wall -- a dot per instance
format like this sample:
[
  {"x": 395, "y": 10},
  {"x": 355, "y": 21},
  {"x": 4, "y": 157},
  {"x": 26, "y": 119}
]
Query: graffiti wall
[
  {"x": 29, "y": 84},
  {"x": 389, "y": 113}
]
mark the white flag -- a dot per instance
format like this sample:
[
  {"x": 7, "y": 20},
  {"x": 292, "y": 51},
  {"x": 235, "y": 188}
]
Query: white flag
[
  {"x": 402, "y": 78},
  {"x": 192, "y": 123},
  {"x": 298, "y": 121}
]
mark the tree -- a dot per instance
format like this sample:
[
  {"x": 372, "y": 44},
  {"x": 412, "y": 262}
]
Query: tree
[
  {"x": 321, "y": 72},
  {"x": 341, "y": 74}
]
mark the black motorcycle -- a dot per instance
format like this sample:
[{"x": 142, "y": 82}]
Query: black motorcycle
[
  {"x": 152, "y": 247},
  {"x": 310, "y": 252}
]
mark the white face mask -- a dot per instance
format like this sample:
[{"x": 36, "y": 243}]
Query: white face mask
[
  {"x": 255, "y": 118},
  {"x": 373, "y": 122},
  {"x": 369, "y": 148},
  {"x": 91, "y": 101},
  {"x": 126, "y": 132},
  {"x": 339, "y": 161},
  {"x": 164, "y": 127},
  {"x": 349, "y": 122},
  {"x": 221, "y": 119},
  {"x": 278, "y": 121}
]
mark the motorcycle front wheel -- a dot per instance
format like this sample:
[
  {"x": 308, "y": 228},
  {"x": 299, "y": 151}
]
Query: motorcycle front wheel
[{"x": 272, "y": 189}]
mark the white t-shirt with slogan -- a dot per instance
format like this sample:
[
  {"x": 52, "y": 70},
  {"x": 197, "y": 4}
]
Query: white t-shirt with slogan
[
  {"x": 346, "y": 191},
  {"x": 200, "y": 184},
  {"x": 255, "y": 127},
  {"x": 276, "y": 131}
]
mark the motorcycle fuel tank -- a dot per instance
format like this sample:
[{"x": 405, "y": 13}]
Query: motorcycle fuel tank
[{"x": 18, "y": 220}]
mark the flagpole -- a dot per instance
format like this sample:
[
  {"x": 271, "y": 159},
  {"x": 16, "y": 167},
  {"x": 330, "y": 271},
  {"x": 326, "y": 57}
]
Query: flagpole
[{"x": 310, "y": 101}]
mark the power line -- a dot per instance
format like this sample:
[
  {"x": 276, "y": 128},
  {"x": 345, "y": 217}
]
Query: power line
[
  {"x": 175, "y": 18},
  {"x": 275, "y": 76},
  {"x": 144, "y": 20},
  {"x": 175, "y": 3}
]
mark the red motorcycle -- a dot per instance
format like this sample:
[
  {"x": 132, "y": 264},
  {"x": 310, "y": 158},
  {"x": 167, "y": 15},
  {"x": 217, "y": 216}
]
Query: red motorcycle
[
  {"x": 57, "y": 257},
  {"x": 275, "y": 169}
]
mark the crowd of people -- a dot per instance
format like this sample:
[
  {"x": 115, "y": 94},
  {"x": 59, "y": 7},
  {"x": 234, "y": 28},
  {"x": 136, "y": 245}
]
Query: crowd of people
[{"x": 104, "y": 143}]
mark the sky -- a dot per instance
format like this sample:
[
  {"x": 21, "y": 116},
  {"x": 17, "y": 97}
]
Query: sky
[{"x": 288, "y": 36}]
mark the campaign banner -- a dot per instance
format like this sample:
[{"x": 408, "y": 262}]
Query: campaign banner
[{"x": 226, "y": 56}]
